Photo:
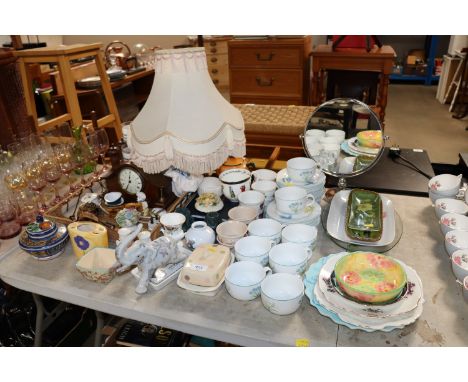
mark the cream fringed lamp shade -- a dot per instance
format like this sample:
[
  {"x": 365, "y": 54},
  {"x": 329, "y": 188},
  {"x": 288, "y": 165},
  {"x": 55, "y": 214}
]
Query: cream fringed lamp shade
[{"x": 185, "y": 122}]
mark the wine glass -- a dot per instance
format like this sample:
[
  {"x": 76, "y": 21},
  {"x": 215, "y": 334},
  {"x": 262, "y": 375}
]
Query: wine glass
[
  {"x": 64, "y": 155},
  {"x": 103, "y": 146},
  {"x": 81, "y": 156},
  {"x": 32, "y": 170},
  {"x": 51, "y": 173},
  {"x": 9, "y": 227},
  {"x": 26, "y": 206},
  {"x": 14, "y": 177},
  {"x": 94, "y": 149}
]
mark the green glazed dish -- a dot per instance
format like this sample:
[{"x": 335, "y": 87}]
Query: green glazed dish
[{"x": 364, "y": 220}]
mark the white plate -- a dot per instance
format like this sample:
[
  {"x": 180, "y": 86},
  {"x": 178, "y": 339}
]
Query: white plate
[
  {"x": 311, "y": 216},
  {"x": 339, "y": 304},
  {"x": 205, "y": 291},
  {"x": 354, "y": 145},
  {"x": 336, "y": 221},
  {"x": 283, "y": 180},
  {"x": 369, "y": 324},
  {"x": 207, "y": 209}
]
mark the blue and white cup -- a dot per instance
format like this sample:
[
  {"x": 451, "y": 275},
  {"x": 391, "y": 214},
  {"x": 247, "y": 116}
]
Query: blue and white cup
[
  {"x": 292, "y": 200},
  {"x": 253, "y": 248},
  {"x": 289, "y": 258},
  {"x": 301, "y": 169}
]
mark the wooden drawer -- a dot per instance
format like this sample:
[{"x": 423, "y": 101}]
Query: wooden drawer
[
  {"x": 216, "y": 47},
  {"x": 280, "y": 82},
  {"x": 268, "y": 57},
  {"x": 217, "y": 60}
]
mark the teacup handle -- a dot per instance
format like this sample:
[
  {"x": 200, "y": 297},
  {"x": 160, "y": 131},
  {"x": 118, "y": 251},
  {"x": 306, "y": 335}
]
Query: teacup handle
[
  {"x": 268, "y": 271},
  {"x": 272, "y": 244},
  {"x": 311, "y": 197},
  {"x": 309, "y": 253}
]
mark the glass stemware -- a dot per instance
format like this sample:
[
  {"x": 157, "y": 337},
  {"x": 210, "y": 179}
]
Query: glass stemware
[
  {"x": 51, "y": 173},
  {"x": 103, "y": 142},
  {"x": 32, "y": 169},
  {"x": 65, "y": 159},
  {"x": 9, "y": 227},
  {"x": 14, "y": 177},
  {"x": 26, "y": 206}
]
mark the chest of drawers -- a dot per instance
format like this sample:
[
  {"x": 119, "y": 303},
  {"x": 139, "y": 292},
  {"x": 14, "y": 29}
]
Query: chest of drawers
[
  {"x": 216, "y": 49},
  {"x": 271, "y": 71}
]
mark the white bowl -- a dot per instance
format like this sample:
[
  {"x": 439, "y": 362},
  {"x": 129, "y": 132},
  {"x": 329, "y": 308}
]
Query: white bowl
[
  {"x": 269, "y": 228},
  {"x": 112, "y": 197},
  {"x": 302, "y": 234},
  {"x": 460, "y": 264},
  {"x": 243, "y": 279},
  {"x": 211, "y": 185},
  {"x": 230, "y": 231},
  {"x": 455, "y": 240},
  {"x": 282, "y": 293},
  {"x": 264, "y": 174},
  {"x": 266, "y": 187},
  {"x": 98, "y": 265},
  {"x": 253, "y": 248},
  {"x": 446, "y": 205},
  {"x": 301, "y": 169},
  {"x": 243, "y": 214},
  {"x": 289, "y": 258},
  {"x": 465, "y": 289},
  {"x": 252, "y": 198},
  {"x": 234, "y": 182},
  {"x": 315, "y": 133},
  {"x": 449, "y": 222},
  {"x": 445, "y": 184},
  {"x": 335, "y": 133}
]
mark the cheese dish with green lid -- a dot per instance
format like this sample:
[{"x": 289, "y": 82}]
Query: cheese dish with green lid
[
  {"x": 364, "y": 220},
  {"x": 370, "y": 277}
]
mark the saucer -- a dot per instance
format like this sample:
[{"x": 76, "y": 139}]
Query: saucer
[
  {"x": 310, "y": 215},
  {"x": 112, "y": 198},
  {"x": 283, "y": 180},
  {"x": 206, "y": 209},
  {"x": 119, "y": 202}
]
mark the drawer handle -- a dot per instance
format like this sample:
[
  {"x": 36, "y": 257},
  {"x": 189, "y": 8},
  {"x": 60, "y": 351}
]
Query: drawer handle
[
  {"x": 266, "y": 58},
  {"x": 214, "y": 71},
  {"x": 214, "y": 59},
  {"x": 264, "y": 82},
  {"x": 215, "y": 81},
  {"x": 213, "y": 50},
  {"x": 213, "y": 43}
]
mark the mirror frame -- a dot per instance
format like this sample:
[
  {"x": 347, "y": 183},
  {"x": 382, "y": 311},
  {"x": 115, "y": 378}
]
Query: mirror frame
[{"x": 363, "y": 170}]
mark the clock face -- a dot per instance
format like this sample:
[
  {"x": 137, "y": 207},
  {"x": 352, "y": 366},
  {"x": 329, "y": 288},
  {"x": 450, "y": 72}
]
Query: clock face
[{"x": 130, "y": 181}]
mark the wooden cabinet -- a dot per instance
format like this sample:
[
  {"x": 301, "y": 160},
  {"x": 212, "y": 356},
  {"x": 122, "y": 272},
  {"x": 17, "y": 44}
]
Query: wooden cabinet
[
  {"x": 216, "y": 49},
  {"x": 269, "y": 71}
]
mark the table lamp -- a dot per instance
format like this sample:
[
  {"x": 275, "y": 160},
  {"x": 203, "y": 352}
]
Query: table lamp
[{"x": 186, "y": 123}]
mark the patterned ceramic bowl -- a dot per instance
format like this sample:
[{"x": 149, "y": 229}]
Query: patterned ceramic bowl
[
  {"x": 446, "y": 205},
  {"x": 370, "y": 277},
  {"x": 45, "y": 249},
  {"x": 41, "y": 229}
]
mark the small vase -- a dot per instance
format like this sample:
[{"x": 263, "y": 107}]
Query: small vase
[{"x": 199, "y": 234}]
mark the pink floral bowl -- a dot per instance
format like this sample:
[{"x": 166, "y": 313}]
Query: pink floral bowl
[
  {"x": 453, "y": 222},
  {"x": 445, "y": 185},
  {"x": 455, "y": 240},
  {"x": 460, "y": 264},
  {"x": 370, "y": 277},
  {"x": 446, "y": 205}
]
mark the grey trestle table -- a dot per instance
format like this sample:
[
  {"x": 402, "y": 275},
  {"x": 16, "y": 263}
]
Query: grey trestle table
[{"x": 444, "y": 321}]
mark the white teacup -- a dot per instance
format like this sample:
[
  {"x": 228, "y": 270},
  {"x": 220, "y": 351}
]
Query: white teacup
[
  {"x": 252, "y": 198},
  {"x": 301, "y": 169},
  {"x": 316, "y": 133},
  {"x": 253, "y": 248},
  {"x": 332, "y": 148},
  {"x": 243, "y": 279},
  {"x": 266, "y": 187},
  {"x": 292, "y": 200},
  {"x": 234, "y": 182},
  {"x": 172, "y": 225},
  {"x": 282, "y": 293},
  {"x": 264, "y": 174},
  {"x": 289, "y": 258},
  {"x": 347, "y": 165},
  {"x": 339, "y": 135},
  {"x": 302, "y": 234},
  {"x": 230, "y": 231},
  {"x": 268, "y": 228},
  {"x": 313, "y": 147},
  {"x": 329, "y": 140}
]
